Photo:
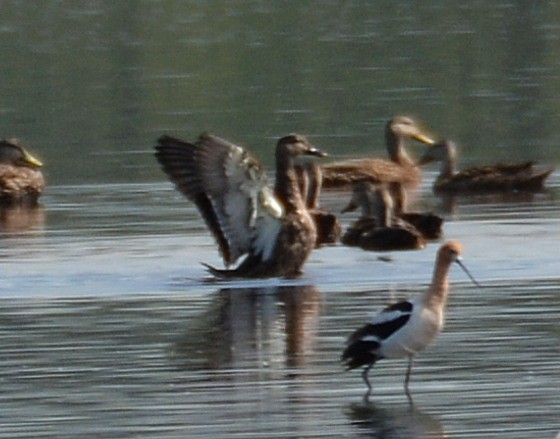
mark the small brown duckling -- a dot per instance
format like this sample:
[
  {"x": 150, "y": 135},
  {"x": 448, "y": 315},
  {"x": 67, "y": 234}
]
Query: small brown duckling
[{"x": 21, "y": 181}]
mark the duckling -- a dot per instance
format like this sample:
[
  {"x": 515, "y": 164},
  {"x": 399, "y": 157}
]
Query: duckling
[
  {"x": 328, "y": 227},
  {"x": 384, "y": 234},
  {"x": 485, "y": 179},
  {"x": 399, "y": 168},
  {"x": 21, "y": 181},
  {"x": 271, "y": 229}
]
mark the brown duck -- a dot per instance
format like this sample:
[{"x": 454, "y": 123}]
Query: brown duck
[
  {"x": 376, "y": 230},
  {"x": 428, "y": 224},
  {"x": 399, "y": 168},
  {"x": 271, "y": 229},
  {"x": 328, "y": 227},
  {"x": 490, "y": 179},
  {"x": 21, "y": 181}
]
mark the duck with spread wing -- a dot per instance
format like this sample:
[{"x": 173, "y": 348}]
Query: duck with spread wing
[{"x": 268, "y": 230}]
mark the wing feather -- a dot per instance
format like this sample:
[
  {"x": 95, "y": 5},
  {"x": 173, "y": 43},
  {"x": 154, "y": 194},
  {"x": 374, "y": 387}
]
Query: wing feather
[
  {"x": 228, "y": 186},
  {"x": 384, "y": 324}
]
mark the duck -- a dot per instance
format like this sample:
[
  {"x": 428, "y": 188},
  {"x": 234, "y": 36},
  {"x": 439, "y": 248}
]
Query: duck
[
  {"x": 362, "y": 199},
  {"x": 399, "y": 168},
  {"x": 327, "y": 225},
  {"x": 428, "y": 224},
  {"x": 261, "y": 232},
  {"x": 21, "y": 180},
  {"x": 498, "y": 178},
  {"x": 405, "y": 328},
  {"x": 376, "y": 230}
]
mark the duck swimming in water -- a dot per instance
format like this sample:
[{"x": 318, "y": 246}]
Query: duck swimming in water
[
  {"x": 400, "y": 168},
  {"x": 271, "y": 229},
  {"x": 497, "y": 178},
  {"x": 376, "y": 230},
  {"x": 21, "y": 181},
  {"x": 428, "y": 224}
]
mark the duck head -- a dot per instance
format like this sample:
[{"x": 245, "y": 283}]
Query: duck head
[
  {"x": 12, "y": 153},
  {"x": 444, "y": 150},
  {"x": 295, "y": 144},
  {"x": 361, "y": 198},
  {"x": 405, "y": 127}
]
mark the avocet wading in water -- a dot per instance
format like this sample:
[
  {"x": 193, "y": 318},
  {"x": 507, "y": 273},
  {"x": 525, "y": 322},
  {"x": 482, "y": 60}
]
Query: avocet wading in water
[{"x": 405, "y": 328}]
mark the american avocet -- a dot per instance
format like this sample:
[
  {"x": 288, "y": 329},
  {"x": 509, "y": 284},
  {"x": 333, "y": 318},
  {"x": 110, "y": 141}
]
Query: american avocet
[
  {"x": 490, "y": 178},
  {"x": 405, "y": 328},
  {"x": 272, "y": 229},
  {"x": 399, "y": 168},
  {"x": 383, "y": 234},
  {"x": 21, "y": 181},
  {"x": 310, "y": 178}
]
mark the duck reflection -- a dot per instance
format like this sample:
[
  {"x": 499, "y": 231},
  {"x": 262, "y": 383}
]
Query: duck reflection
[
  {"x": 20, "y": 218},
  {"x": 244, "y": 327},
  {"x": 390, "y": 422},
  {"x": 450, "y": 203}
]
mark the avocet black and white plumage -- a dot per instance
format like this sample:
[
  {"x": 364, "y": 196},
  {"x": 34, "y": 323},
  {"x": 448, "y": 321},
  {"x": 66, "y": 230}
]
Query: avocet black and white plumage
[
  {"x": 271, "y": 229},
  {"x": 405, "y": 328}
]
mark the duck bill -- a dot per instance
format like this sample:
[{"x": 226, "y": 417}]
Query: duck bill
[
  {"x": 316, "y": 152},
  {"x": 350, "y": 208},
  {"x": 424, "y": 139},
  {"x": 460, "y": 263},
  {"x": 31, "y": 161}
]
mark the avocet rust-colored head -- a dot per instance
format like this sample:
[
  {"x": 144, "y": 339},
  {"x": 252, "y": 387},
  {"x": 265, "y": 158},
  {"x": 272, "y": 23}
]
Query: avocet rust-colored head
[{"x": 451, "y": 252}]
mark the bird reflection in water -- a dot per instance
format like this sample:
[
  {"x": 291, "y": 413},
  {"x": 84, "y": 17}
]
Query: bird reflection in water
[
  {"x": 19, "y": 218},
  {"x": 451, "y": 203},
  {"x": 248, "y": 328},
  {"x": 393, "y": 422}
]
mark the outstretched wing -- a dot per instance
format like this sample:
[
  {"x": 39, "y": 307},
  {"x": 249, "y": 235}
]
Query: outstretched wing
[{"x": 226, "y": 183}]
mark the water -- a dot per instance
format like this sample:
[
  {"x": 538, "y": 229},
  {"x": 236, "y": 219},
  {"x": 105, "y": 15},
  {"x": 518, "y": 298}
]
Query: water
[{"x": 110, "y": 327}]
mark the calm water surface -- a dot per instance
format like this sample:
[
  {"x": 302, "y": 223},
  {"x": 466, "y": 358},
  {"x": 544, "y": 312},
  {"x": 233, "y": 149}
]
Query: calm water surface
[{"x": 109, "y": 326}]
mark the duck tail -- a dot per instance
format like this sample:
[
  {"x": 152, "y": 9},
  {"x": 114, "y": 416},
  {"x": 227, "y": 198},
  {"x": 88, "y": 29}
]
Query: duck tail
[
  {"x": 537, "y": 180},
  {"x": 218, "y": 272}
]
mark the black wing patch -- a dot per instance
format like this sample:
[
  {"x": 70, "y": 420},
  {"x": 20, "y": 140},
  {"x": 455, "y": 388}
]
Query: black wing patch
[
  {"x": 404, "y": 306},
  {"x": 363, "y": 345}
]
